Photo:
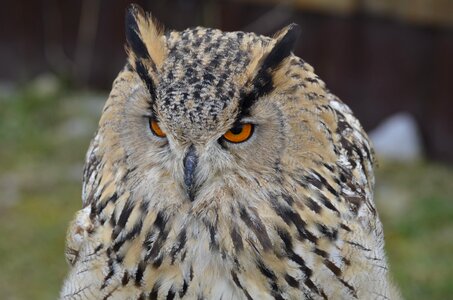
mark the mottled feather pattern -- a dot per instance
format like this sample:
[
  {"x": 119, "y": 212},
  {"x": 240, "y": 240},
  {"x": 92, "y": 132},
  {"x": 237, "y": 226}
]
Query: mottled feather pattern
[{"x": 288, "y": 214}]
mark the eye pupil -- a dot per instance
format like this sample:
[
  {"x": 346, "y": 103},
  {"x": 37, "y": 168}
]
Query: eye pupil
[{"x": 237, "y": 129}]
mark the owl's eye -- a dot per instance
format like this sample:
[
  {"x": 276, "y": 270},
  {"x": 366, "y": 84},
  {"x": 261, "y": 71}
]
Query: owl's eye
[
  {"x": 239, "y": 133},
  {"x": 155, "y": 128}
]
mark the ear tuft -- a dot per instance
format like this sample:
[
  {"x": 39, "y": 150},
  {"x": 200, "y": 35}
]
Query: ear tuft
[
  {"x": 286, "y": 40},
  {"x": 133, "y": 15},
  {"x": 144, "y": 37},
  {"x": 261, "y": 81},
  {"x": 146, "y": 46}
]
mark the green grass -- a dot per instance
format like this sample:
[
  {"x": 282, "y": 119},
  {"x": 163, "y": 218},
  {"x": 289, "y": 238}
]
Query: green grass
[
  {"x": 419, "y": 229},
  {"x": 32, "y": 244},
  {"x": 40, "y": 178},
  {"x": 40, "y": 183}
]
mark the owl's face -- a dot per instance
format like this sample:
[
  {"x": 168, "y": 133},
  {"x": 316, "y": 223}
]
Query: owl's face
[{"x": 206, "y": 117}]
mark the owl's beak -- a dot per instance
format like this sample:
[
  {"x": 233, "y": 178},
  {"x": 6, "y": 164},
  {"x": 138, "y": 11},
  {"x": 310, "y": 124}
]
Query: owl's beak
[{"x": 190, "y": 164}]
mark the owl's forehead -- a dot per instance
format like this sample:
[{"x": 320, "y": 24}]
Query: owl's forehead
[{"x": 199, "y": 77}]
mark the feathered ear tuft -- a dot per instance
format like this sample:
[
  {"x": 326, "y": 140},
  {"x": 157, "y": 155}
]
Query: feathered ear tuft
[
  {"x": 286, "y": 39},
  {"x": 146, "y": 47},
  {"x": 261, "y": 82},
  {"x": 133, "y": 35},
  {"x": 144, "y": 36}
]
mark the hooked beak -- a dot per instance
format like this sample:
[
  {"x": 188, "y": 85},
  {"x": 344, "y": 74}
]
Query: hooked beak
[{"x": 190, "y": 164}]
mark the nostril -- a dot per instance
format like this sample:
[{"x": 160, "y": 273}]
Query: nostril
[{"x": 190, "y": 164}]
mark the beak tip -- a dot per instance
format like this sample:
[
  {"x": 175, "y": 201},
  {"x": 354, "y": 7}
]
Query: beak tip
[{"x": 191, "y": 196}]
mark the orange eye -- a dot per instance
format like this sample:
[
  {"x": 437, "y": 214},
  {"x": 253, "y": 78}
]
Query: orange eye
[
  {"x": 239, "y": 133},
  {"x": 156, "y": 129}
]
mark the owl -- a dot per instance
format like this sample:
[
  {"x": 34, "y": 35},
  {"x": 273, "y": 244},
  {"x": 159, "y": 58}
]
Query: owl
[{"x": 224, "y": 169}]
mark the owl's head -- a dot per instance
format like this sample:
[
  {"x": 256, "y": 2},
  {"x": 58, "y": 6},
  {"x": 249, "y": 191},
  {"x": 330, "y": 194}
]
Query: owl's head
[{"x": 201, "y": 112}]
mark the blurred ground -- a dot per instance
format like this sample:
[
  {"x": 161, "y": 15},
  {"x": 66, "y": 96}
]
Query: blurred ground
[{"x": 44, "y": 133}]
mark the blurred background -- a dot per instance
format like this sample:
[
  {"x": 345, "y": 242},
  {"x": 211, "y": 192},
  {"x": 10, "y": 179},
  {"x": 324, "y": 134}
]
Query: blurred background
[{"x": 391, "y": 61}]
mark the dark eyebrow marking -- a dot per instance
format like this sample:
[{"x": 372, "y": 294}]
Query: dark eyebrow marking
[{"x": 144, "y": 76}]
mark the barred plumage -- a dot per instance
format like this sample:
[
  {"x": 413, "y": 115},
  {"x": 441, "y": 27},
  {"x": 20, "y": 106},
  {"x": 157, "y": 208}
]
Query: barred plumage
[{"x": 287, "y": 213}]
